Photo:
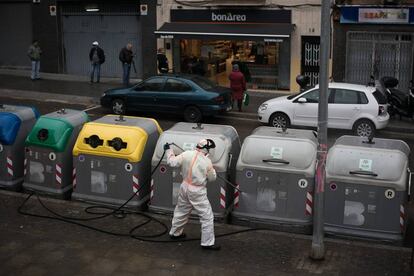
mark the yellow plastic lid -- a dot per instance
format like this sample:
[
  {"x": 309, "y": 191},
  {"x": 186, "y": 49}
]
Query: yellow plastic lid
[{"x": 118, "y": 141}]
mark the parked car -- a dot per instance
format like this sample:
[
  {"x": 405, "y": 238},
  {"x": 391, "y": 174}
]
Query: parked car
[
  {"x": 192, "y": 96},
  {"x": 350, "y": 106}
]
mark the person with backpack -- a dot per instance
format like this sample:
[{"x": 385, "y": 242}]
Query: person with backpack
[{"x": 34, "y": 54}]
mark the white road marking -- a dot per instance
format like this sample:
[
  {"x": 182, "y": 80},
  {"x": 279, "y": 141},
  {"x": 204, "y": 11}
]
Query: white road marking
[{"x": 92, "y": 108}]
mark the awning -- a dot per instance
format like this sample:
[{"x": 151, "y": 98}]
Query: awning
[{"x": 258, "y": 31}]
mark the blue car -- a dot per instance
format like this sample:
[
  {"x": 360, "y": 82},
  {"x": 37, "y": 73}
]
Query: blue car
[{"x": 192, "y": 96}]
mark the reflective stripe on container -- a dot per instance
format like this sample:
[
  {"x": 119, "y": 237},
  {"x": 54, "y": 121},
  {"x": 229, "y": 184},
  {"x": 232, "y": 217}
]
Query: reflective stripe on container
[
  {"x": 58, "y": 168},
  {"x": 236, "y": 196},
  {"x": 74, "y": 178},
  {"x": 10, "y": 171},
  {"x": 222, "y": 197},
  {"x": 309, "y": 204},
  {"x": 402, "y": 218},
  {"x": 135, "y": 185}
]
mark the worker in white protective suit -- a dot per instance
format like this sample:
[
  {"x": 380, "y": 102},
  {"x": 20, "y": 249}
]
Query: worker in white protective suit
[{"x": 196, "y": 170}]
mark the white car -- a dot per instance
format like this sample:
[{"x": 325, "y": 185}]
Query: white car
[{"x": 350, "y": 106}]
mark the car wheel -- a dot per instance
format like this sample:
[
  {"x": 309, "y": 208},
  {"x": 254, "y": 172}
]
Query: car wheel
[
  {"x": 364, "y": 128},
  {"x": 118, "y": 106},
  {"x": 192, "y": 114},
  {"x": 279, "y": 120}
]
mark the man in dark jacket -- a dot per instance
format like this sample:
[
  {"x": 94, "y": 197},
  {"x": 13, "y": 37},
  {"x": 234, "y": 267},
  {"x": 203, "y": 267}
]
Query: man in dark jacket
[
  {"x": 97, "y": 57},
  {"x": 162, "y": 61},
  {"x": 126, "y": 56}
]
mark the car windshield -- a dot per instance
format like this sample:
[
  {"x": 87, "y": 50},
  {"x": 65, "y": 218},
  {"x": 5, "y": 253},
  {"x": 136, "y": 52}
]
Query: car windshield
[{"x": 204, "y": 83}]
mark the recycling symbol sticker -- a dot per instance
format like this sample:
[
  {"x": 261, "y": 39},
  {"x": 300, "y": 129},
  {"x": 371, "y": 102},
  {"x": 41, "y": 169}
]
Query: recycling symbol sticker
[
  {"x": 389, "y": 194},
  {"x": 303, "y": 183},
  {"x": 249, "y": 174}
]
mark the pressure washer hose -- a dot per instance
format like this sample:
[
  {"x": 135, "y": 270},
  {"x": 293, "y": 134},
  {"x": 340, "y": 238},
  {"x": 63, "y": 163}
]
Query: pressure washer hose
[{"x": 120, "y": 212}]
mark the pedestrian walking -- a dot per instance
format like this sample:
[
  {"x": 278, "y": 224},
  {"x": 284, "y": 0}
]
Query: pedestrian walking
[
  {"x": 96, "y": 57},
  {"x": 237, "y": 85},
  {"x": 196, "y": 169},
  {"x": 126, "y": 57},
  {"x": 34, "y": 54},
  {"x": 162, "y": 61}
]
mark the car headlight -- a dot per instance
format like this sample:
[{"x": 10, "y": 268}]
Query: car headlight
[
  {"x": 103, "y": 95},
  {"x": 263, "y": 107}
]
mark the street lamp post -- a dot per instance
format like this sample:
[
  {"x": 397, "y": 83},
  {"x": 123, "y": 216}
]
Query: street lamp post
[{"x": 318, "y": 246}]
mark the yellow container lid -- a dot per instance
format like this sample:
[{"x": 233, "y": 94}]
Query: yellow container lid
[{"x": 118, "y": 141}]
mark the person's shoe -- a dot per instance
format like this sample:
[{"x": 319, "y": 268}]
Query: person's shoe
[
  {"x": 180, "y": 237},
  {"x": 215, "y": 247}
]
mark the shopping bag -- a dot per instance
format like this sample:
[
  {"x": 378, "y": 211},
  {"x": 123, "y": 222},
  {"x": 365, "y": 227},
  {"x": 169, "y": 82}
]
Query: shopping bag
[{"x": 246, "y": 99}]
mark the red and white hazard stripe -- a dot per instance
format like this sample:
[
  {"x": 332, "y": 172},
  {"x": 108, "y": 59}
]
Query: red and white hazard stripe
[
  {"x": 222, "y": 197},
  {"x": 74, "y": 178},
  {"x": 135, "y": 184},
  {"x": 25, "y": 167},
  {"x": 152, "y": 190},
  {"x": 402, "y": 218},
  {"x": 10, "y": 171},
  {"x": 309, "y": 204},
  {"x": 58, "y": 174},
  {"x": 236, "y": 196}
]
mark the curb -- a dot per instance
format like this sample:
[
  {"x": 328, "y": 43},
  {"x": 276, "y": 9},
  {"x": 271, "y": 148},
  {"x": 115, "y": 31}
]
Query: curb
[{"x": 50, "y": 97}]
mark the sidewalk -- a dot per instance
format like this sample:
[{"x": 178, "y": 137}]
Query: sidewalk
[
  {"x": 69, "y": 88},
  {"x": 35, "y": 246}
]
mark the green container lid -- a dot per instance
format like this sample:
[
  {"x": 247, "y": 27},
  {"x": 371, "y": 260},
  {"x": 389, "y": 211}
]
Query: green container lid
[{"x": 50, "y": 133}]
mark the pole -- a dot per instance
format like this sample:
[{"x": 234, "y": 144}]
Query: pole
[{"x": 318, "y": 246}]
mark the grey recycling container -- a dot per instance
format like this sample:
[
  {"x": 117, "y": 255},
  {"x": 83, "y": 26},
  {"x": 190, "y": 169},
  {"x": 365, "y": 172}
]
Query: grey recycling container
[
  {"x": 49, "y": 152},
  {"x": 366, "y": 188},
  {"x": 166, "y": 180},
  {"x": 112, "y": 159},
  {"x": 15, "y": 124},
  {"x": 275, "y": 171}
]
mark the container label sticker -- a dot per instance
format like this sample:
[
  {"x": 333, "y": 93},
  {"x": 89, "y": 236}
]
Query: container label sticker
[
  {"x": 128, "y": 167},
  {"x": 98, "y": 182},
  {"x": 36, "y": 170},
  {"x": 52, "y": 156},
  {"x": 276, "y": 152},
  {"x": 303, "y": 183},
  {"x": 163, "y": 169},
  {"x": 353, "y": 213},
  {"x": 333, "y": 186},
  {"x": 389, "y": 194},
  {"x": 1, "y": 147},
  {"x": 189, "y": 146},
  {"x": 81, "y": 158},
  {"x": 365, "y": 165},
  {"x": 249, "y": 174}
]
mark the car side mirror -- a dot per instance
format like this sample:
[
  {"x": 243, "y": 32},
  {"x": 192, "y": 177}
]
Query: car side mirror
[{"x": 302, "y": 100}]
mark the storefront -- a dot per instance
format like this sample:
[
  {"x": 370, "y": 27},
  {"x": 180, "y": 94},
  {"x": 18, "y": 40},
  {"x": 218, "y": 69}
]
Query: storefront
[
  {"x": 207, "y": 42},
  {"x": 376, "y": 41}
]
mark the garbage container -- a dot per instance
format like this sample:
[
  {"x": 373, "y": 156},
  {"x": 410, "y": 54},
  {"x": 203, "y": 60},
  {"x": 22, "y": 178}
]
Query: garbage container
[
  {"x": 166, "y": 181},
  {"x": 275, "y": 171},
  {"x": 15, "y": 124},
  {"x": 366, "y": 188},
  {"x": 112, "y": 159},
  {"x": 49, "y": 152}
]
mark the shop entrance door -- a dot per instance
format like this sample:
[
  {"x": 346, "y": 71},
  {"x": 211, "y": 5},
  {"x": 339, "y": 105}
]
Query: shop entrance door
[
  {"x": 310, "y": 58},
  {"x": 379, "y": 54}
]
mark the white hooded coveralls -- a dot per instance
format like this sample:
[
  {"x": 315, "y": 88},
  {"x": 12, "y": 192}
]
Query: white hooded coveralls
[{"x": 196, "y": 169}]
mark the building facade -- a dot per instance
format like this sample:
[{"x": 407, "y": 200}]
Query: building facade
[
  {"x": 276, "y": 40},
  {"x": 373, "y": 38},
  {"x": 66, "y": 30}
]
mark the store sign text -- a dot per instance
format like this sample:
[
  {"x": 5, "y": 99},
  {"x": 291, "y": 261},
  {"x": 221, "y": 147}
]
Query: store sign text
[
  {"x": 383, "y": 15},
  {"x": 228, "y": 17}
]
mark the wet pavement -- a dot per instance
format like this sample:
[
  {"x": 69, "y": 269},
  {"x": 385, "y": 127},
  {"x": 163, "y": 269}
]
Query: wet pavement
[{"x": 38, "y": 246}]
